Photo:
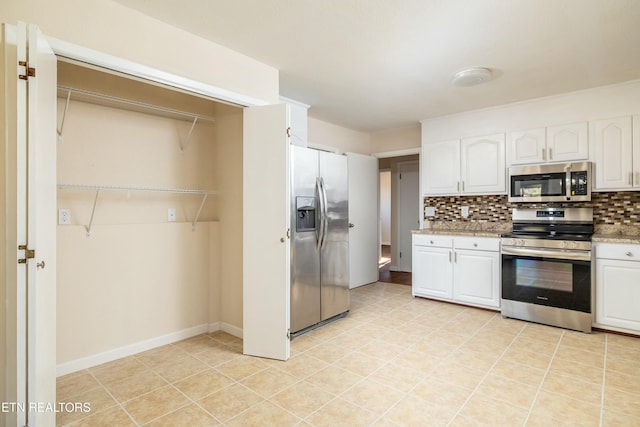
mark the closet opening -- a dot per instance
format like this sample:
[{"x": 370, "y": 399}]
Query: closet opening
[{"x": 149, "y": 203}]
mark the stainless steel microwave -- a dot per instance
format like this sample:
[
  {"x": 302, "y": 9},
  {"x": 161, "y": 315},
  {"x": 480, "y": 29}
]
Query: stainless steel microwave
[{"x": 562, "y": 182}]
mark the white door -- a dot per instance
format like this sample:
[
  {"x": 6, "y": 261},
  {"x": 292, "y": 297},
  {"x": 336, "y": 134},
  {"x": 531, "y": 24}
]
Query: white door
[
  {"x": 30, "y": 184},
  {"x": 408, "y": 211},
  {"x": 266, "y": 221},
  {"x": 363, "y": 214}
]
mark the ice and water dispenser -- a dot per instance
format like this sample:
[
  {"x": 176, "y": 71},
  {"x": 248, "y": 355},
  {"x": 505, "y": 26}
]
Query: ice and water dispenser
[{"x": 305, "y": 213}]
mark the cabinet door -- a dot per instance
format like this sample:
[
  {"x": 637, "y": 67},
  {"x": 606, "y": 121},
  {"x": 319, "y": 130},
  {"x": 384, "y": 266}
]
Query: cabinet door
[
  {"x": 483, "y": 165},
  {"x": 432, "y": 272},
  {"x": 613, "y": 156},
  {"x": 567, "y": 143},
  {"x": 476, "y": 278},
  {"x": 618, "y": 294},
  {"x": 441, "y": 168},
  {"x": 528, "y": 146}
]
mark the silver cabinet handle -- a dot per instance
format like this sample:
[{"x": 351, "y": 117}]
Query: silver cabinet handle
[
  {"x": 550, "y": 154},
  {"x": 431, "y": 242},
  {"x": 462, "y": 185},
  {"x": 455, "y": 257},
  {"x": 630, "y": 178},
  {"x": 40, "y": 265},
  {"x": 544, "y": 155},
  {"x": 449, "y": 256},
  {"x": 458, "y": 187}
]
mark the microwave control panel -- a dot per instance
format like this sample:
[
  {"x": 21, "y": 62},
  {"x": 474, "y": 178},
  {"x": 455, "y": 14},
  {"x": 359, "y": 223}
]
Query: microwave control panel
[{"x": 579, "y": 183}]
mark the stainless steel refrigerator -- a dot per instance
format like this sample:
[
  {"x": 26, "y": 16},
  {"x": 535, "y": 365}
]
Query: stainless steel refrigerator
[{"x": 320, "y": 238}]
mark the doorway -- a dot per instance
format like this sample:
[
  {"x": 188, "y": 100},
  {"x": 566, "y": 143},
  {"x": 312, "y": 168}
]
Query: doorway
[{"x": 399, "y": 198}]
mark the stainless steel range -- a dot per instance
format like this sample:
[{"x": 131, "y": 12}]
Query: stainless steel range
[{"x": 546, "y": 267}]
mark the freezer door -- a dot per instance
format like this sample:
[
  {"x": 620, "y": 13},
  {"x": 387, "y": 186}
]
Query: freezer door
[
  {"x": 334, "y": 252},
  {"x": 305, "y": 257}
]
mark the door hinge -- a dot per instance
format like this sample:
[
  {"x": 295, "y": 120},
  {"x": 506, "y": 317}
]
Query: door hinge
[
  {"x": 400, "y": 254},
  {"x": 28, "y": 254},
  {"x": 288, "y": 132},
  {"x": 400, "y": 176},
  {"x": 30, "y": 72},
  {"x": 288, "y": 334}
]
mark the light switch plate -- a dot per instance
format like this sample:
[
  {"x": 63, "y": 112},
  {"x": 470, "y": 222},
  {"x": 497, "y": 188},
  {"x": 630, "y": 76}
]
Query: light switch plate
[
  {"x": 430, "y": 211},
  {"x": 171, "y": 214},
  {"x": 464, "y": 211}
]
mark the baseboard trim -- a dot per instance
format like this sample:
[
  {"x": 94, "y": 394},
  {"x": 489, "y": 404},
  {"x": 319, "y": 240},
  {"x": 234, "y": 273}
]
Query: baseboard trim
[
  {"x": 226, "y": 327},
  {"x": 128, "y": 350}
]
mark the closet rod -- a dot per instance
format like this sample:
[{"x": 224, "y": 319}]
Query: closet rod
[
  {"x": 126, "y": 188},
  {"x": 136, "y": 104}
]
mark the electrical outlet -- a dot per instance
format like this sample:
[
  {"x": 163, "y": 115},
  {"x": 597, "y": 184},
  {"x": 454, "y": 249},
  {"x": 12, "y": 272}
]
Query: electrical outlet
[
  {"x": 64, "y": 216},
  {"x": 171, "y": 214},
  {"x": 464, "y": 211},
  {"x": 430, "y": 211}
]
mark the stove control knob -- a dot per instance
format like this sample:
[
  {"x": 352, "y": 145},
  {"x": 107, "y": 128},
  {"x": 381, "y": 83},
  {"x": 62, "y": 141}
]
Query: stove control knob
[
  {"x": 563, "y": 244},
  {"x": 572, "y": 245}
]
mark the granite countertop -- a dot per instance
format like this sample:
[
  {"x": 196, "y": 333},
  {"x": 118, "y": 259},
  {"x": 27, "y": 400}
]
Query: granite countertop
[
  {"x": 603, "y": 233},
  {"x": 459, "y": 228},
  {"x": 616, "y": 234}
]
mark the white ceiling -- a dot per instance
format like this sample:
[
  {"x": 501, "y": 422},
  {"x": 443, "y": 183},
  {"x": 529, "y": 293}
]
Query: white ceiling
[{"x": 380, "y": 64}]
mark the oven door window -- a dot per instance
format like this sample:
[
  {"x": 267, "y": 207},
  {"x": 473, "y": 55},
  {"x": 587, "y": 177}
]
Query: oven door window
[
  {"x": 547, "y": 281},
  {"x": 539, "y": 185}
]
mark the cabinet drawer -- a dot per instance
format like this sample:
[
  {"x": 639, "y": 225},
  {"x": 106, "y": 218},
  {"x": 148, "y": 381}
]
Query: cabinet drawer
[
  {"x": 477, "y": 243},
  {"x": 433, "y": 240},
  {"x": 618, "y": 251}
]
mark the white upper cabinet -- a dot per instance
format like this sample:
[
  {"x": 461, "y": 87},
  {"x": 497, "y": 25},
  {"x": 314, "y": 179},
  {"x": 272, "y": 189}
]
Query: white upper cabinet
[
  {"x": 566, "y": 143},
  {"x": 614, "y": 152},
  {"x": 563, "y": 143},
  {"x": 441, "y": 167},
  {"x": 470, "y": 166},
  {"x": 528, "y": 146},
  {"x": 483, "y": 165}
]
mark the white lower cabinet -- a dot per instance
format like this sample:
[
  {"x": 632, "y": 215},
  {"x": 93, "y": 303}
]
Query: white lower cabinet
[
  {"x": 618, "y": 287},
  {"x": 458, "y": 269}
]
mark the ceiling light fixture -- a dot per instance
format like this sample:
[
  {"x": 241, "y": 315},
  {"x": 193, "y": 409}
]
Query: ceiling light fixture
[{"x": 471, "y": 76}]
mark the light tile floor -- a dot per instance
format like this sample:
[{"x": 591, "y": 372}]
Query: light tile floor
[{"x": 394, "y": 361}]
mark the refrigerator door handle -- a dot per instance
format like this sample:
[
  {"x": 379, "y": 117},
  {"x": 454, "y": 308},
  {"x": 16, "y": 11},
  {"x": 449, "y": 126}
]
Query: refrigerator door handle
[
  {"x": 323, "y": 215},
  {"x": 320, "y": 214}
]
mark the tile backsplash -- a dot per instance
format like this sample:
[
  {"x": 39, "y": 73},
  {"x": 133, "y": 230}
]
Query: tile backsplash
[{"x": 613, "y": 208}]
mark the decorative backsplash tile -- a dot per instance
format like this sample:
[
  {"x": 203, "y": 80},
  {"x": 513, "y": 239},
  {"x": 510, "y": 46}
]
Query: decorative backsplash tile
[{"x": 614, "y": 208}]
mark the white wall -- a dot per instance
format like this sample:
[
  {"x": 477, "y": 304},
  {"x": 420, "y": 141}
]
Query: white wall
[
  {"x": 111, "y": 28},
  {"x": 395, "y": 139},
  {"x": 385, "y": 207},
  {"x": 344, "y": 139},
  {"x": 598, "y": 103}
]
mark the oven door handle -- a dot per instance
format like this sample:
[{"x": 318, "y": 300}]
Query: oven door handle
[{"x": 546, "y": 253}]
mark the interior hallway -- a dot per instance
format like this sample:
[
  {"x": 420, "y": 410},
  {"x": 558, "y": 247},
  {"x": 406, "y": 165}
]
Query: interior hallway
[{"x": 385, "y": 274}]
